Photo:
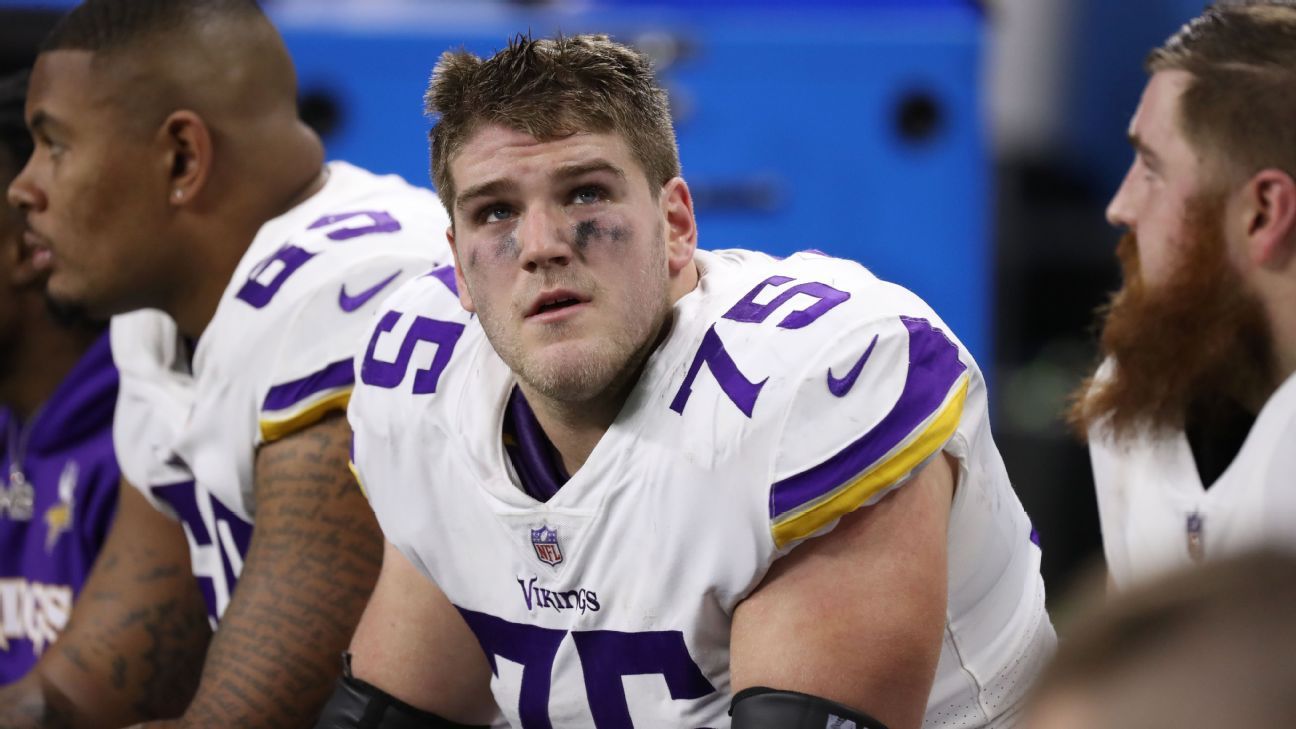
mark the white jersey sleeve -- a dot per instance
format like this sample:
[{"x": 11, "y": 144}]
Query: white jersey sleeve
[
  {"x": 875, "y": 403},
  {"x": 307, "y": 368}
]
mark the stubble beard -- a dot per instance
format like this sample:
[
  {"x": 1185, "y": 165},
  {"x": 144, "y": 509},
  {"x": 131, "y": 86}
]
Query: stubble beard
[
  {"x": 600, "y": 364},
  {"x": 1197, "y": 343}
]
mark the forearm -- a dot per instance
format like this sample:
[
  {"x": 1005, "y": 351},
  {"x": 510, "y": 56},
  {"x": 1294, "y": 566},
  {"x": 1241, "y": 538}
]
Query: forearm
[
  {"x": 313, "y": 560},
  {"x": 136, "y": 639},
  {"x": 23, "y": 705}
]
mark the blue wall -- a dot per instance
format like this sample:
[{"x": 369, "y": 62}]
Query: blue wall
[
  {"x": 788, "y": 123},
  {"x": 791, "y": 117}
]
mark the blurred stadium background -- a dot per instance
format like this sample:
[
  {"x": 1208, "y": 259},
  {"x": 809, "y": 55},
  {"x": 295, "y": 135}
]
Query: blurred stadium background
[{"x": 964, "y": 149}]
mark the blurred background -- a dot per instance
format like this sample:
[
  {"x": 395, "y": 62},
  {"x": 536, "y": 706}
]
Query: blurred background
[{"x": 964, "y": 149}]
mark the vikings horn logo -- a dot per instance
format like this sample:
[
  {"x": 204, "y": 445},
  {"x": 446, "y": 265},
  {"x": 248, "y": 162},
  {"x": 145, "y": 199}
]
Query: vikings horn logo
[
  {"x": 59, "y": 517},
  {"x": 547, "y": 549}
]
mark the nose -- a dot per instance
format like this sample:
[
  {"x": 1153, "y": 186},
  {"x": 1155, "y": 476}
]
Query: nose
[
  {"x": 1120, "y": 211},
  {"x": 23, "y": 192},
  {"x": 542, "y": 239}
]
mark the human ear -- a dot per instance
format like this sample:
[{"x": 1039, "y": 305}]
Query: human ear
[
  {"x": 1269, "y": 218},
  {"x": 681, "y": 226},
  {"x": 188, "y": 145}
]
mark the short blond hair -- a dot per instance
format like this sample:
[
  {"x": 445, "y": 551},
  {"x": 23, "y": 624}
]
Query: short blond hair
[{"x": 551, "y": 88}]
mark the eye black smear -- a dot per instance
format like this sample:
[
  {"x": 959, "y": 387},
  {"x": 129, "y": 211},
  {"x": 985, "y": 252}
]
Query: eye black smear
[
  {"x": 506, "y": 246},
  {"x": 587, "y": 230}
]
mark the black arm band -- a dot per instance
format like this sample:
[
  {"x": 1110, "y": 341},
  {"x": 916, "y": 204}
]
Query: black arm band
[
  {"x": 356, "y": 704},
  {"x": 767, "y": 708}
]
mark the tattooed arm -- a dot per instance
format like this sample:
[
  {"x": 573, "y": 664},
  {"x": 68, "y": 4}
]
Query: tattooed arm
[
  {"x": 135, "y": 642},
  {"x": 314, "y": 556}
]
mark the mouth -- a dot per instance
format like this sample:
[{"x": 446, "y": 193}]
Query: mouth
[
  {"x": 42, "y": 255},
  {"x": 554, "y": 304}
]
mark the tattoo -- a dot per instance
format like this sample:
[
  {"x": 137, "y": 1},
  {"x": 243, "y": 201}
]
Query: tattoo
[
  {"x": 151, "y": 652},
  {"x": 314, "y": 557},
  {"x": 141, "y": 647}
]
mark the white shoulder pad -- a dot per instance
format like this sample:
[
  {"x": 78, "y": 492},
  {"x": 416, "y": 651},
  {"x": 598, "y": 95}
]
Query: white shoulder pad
[
  {"x": 406, "y": 348},
  {"x": 875, "y": 405},
  {"x": 153, "y": 398},
  {"x": 309, "y": 351},
  {"x": 859, "y": 379},
  {"x": 869, "y": 382}
]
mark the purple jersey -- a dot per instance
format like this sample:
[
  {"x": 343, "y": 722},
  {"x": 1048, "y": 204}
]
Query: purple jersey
[{"x": 57, "y": 499}]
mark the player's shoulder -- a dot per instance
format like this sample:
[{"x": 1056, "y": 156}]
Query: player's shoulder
[
  {"x": 335, "y": 256},
  {"x": 855, "y": 382},
  {"x": 415, "y": 342},
  {"x": 792, "y": 312},
  {"x": 434, "y": 294}
]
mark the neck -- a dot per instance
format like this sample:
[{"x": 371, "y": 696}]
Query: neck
[
  {"x": 265, "y": 184},
  {"x": 575, "y": 428},
  {"x": 44, "y": 354},
  {"x": 1283, "y": 320}
]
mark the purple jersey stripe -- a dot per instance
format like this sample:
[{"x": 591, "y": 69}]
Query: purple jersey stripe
[
  {"x": 285, "y": 396},
  {"x": 531, "y": 452},
  {"x": 445, "y": 275},
  {"x": 934, "y": 369}
]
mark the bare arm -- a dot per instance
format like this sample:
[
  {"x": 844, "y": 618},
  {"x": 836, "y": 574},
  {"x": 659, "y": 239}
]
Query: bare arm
[
  {"x": 135, "y": 642},
  {"x": 414, "y": 645},
  {"x": 856, "y": 616},
  {"x": 312, "y": 562}
]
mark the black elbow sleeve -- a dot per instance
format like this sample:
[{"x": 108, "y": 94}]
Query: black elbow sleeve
[
  {"x": 356, "y": 704},
  {"x": 767, "y": 708}
]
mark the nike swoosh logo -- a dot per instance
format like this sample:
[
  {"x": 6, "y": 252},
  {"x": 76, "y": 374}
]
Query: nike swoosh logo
[
  {"x": 840, "y": 387},
  {"x": 351, "y": 303}
]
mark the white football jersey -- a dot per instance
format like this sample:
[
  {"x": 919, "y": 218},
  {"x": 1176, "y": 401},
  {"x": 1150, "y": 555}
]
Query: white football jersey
[
  {"x": 275, "y": 358},
  {"x": 788, "y": 393},
  {"x": 1158, "y": 516}
]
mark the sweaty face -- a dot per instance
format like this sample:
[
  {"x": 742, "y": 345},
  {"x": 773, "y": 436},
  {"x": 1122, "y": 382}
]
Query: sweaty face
[
  {"x": 91, "y": 192},
  {"x": 561, "y": 253}
]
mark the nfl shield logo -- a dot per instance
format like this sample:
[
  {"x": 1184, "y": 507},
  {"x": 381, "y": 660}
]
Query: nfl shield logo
[{"x": 545, "y": 541}]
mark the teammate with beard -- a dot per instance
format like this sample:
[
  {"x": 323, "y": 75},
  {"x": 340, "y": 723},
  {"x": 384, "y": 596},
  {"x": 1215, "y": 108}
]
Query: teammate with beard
[
  {"x": 632, "y": 483},
  {"x": 1191, "y": 419},
  {"x": 174, "y": 185}
]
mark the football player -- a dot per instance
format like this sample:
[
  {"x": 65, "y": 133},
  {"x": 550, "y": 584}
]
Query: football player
[
  {"x": 634, "y": 483},
  {"x": 1192, "y": 416},
  {"x": 57, "y": 390},
  {"x": 173, "y": 185}
]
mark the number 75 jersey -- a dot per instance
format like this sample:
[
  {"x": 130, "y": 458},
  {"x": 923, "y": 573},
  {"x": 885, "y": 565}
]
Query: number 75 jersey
[{"x": 787, "y": 394}]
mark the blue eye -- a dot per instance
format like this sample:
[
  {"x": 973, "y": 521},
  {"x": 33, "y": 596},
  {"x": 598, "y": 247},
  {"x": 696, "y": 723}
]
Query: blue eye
[
  {"x": 495, "y": 213},
  {"x": 588, "y": 195}
]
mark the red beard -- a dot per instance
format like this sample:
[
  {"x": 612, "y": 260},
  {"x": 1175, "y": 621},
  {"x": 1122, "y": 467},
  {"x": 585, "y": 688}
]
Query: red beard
[{"x": 1198, "y": 342}]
